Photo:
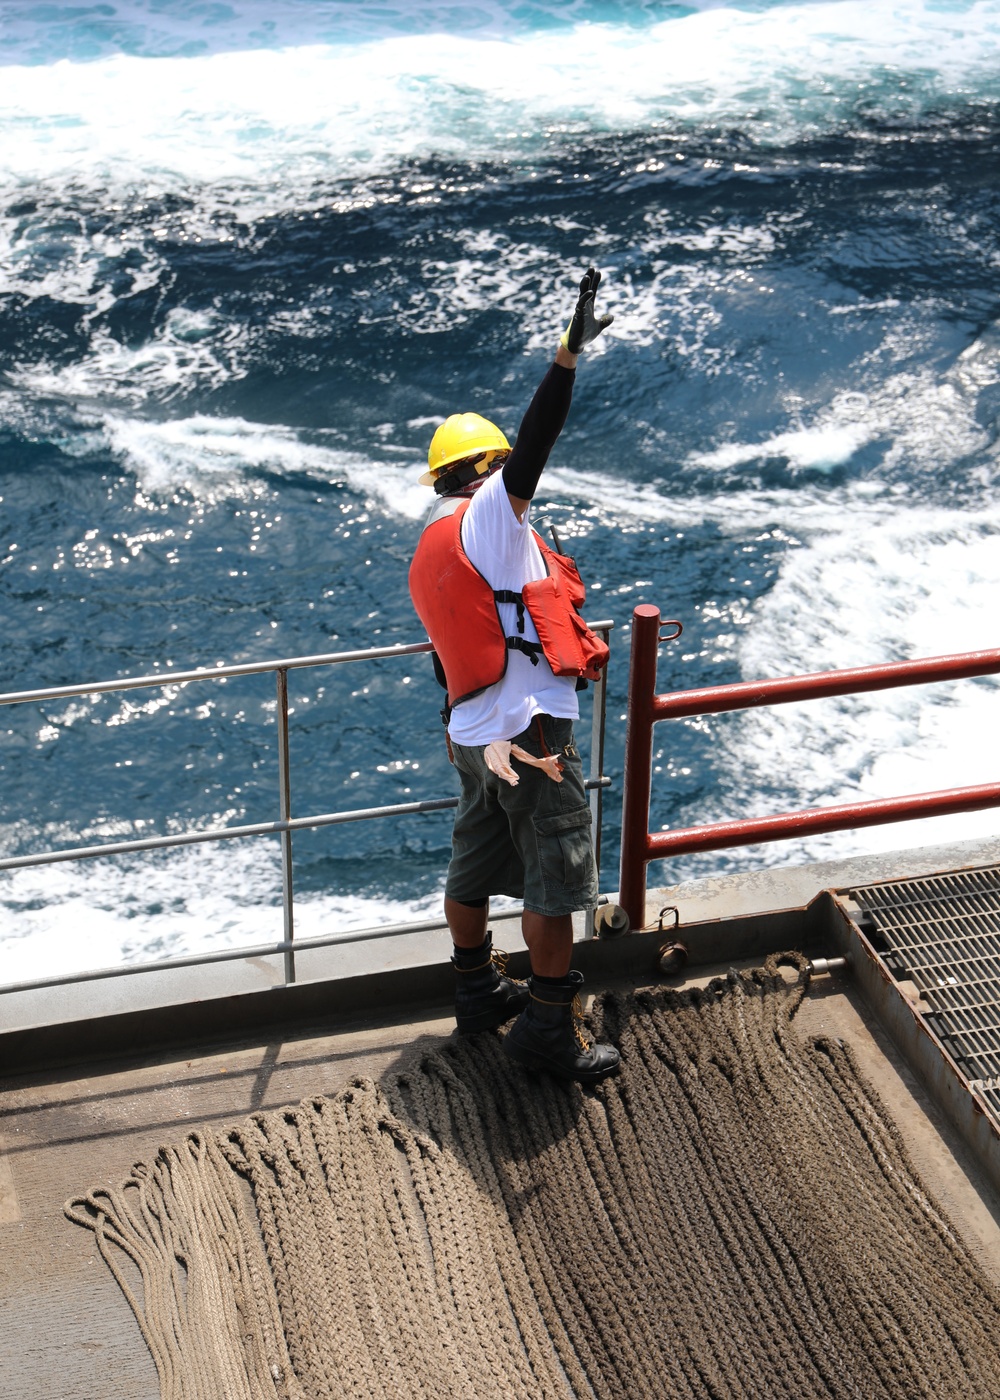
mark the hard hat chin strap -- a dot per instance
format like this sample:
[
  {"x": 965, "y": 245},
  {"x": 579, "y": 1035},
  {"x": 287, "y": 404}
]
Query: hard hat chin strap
[{"x": 464, "y": 474}]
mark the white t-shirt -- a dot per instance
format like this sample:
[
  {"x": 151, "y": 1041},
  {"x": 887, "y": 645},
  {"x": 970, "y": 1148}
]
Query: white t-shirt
[{"x": 504, "y": 551}]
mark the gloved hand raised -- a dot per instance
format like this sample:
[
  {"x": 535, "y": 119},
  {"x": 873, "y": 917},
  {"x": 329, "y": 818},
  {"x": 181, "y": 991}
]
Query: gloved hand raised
[{"x": 586, "y": 325}]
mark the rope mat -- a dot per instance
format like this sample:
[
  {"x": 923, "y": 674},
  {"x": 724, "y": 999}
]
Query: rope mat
[{"x": 733, "y": 1215}]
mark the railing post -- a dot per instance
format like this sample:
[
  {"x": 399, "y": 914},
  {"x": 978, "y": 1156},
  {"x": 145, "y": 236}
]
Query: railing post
[
  {"x": 638, "y": 762},
  {"x": 597, "y": 728},
  {"x": 285, "y": 812}
]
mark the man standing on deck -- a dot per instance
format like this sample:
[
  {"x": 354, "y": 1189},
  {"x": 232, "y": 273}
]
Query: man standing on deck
[{"x": 502, "y": 612}]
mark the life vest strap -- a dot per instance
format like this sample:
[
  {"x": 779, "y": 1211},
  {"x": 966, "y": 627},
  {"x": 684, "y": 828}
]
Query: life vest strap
[
  {"x": 533, "y": 650},
  {"x": 507, "y": 595}
]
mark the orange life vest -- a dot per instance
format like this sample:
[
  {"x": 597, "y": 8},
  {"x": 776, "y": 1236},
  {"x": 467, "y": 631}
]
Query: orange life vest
[{"x": 460, "y": 610}]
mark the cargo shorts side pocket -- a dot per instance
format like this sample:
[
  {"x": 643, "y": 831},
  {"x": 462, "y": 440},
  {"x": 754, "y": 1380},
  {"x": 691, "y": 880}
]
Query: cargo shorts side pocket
[{"x": 565, "y": 850}]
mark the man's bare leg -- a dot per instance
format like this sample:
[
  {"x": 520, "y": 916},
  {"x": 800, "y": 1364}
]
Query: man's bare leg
[
  {"x": 467, "y": 924},
  {"x": 550, "y": 942}
]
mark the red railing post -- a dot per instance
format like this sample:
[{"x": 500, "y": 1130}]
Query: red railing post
[{"x": 638, "y": 763}]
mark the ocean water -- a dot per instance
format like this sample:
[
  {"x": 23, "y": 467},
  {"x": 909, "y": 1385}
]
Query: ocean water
[{"x": 251, "y": 254}]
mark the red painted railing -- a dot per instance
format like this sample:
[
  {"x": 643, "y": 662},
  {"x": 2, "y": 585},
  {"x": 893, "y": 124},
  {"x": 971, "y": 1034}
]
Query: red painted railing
[{"x": 645, "y": 707}]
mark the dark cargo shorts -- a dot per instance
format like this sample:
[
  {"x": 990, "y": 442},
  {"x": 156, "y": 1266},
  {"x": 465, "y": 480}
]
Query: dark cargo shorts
[{"x": 532, "y": 841}]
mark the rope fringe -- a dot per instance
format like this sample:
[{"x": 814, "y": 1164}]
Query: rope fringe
[{"x": 733, "y": 1216}]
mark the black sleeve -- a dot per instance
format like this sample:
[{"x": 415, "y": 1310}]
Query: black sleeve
[{"x": 540, "y": 427}]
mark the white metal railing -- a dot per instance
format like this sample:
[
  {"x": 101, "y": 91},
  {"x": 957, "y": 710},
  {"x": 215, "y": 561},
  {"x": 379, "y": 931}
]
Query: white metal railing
[{"x": 286, "y": 824}]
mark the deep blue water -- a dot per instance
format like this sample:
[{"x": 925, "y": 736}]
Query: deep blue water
[{"x": 249, "y": 256}]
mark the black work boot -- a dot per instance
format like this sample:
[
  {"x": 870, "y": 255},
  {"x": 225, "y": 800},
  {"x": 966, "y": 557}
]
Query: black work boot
[
  {"x": 548, "y": 1035},
  {"x": 484, "y": 996}
]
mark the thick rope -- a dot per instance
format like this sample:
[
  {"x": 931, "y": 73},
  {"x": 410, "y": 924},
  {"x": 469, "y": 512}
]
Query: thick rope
[
  {"x": 208, "y": 1310},
  {"x": 732, "y": 1217}
]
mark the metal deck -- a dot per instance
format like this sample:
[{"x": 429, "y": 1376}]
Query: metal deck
[{"x": 66, "y": 1332}]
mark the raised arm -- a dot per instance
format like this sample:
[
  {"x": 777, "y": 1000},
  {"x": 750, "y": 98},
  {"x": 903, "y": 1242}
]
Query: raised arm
[{"x": 543, "y": 422}]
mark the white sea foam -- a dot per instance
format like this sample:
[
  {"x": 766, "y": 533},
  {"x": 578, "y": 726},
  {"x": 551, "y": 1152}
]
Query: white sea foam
[
  {"x": 870, "y": 590},
  {"x": 189, "y": 352},
  {"x": 212, "y": 456},
  {"x": 218, "y": 457},
  {"x": 286, "y": 117},
  {"x": 170, "y": 904},
  {"x": 923, "y": 421},
  {"x": 816, "y": 448}
]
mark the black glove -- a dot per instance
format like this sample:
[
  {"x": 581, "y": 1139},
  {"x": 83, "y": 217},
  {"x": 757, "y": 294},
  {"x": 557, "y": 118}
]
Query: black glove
[{"x": 585, "y": 325}]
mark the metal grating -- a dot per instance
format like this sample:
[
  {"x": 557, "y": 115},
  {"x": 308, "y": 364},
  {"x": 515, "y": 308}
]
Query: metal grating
[{"x": 943, "y": 934}]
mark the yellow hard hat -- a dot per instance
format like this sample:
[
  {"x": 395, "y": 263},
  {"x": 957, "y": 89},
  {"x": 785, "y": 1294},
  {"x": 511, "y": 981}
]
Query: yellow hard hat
[{"x": 460, "y": 436}]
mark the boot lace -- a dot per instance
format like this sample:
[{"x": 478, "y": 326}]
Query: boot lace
[
  {"x": 577, "y": 1011},
  {"x": 500, "y": 963}
]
